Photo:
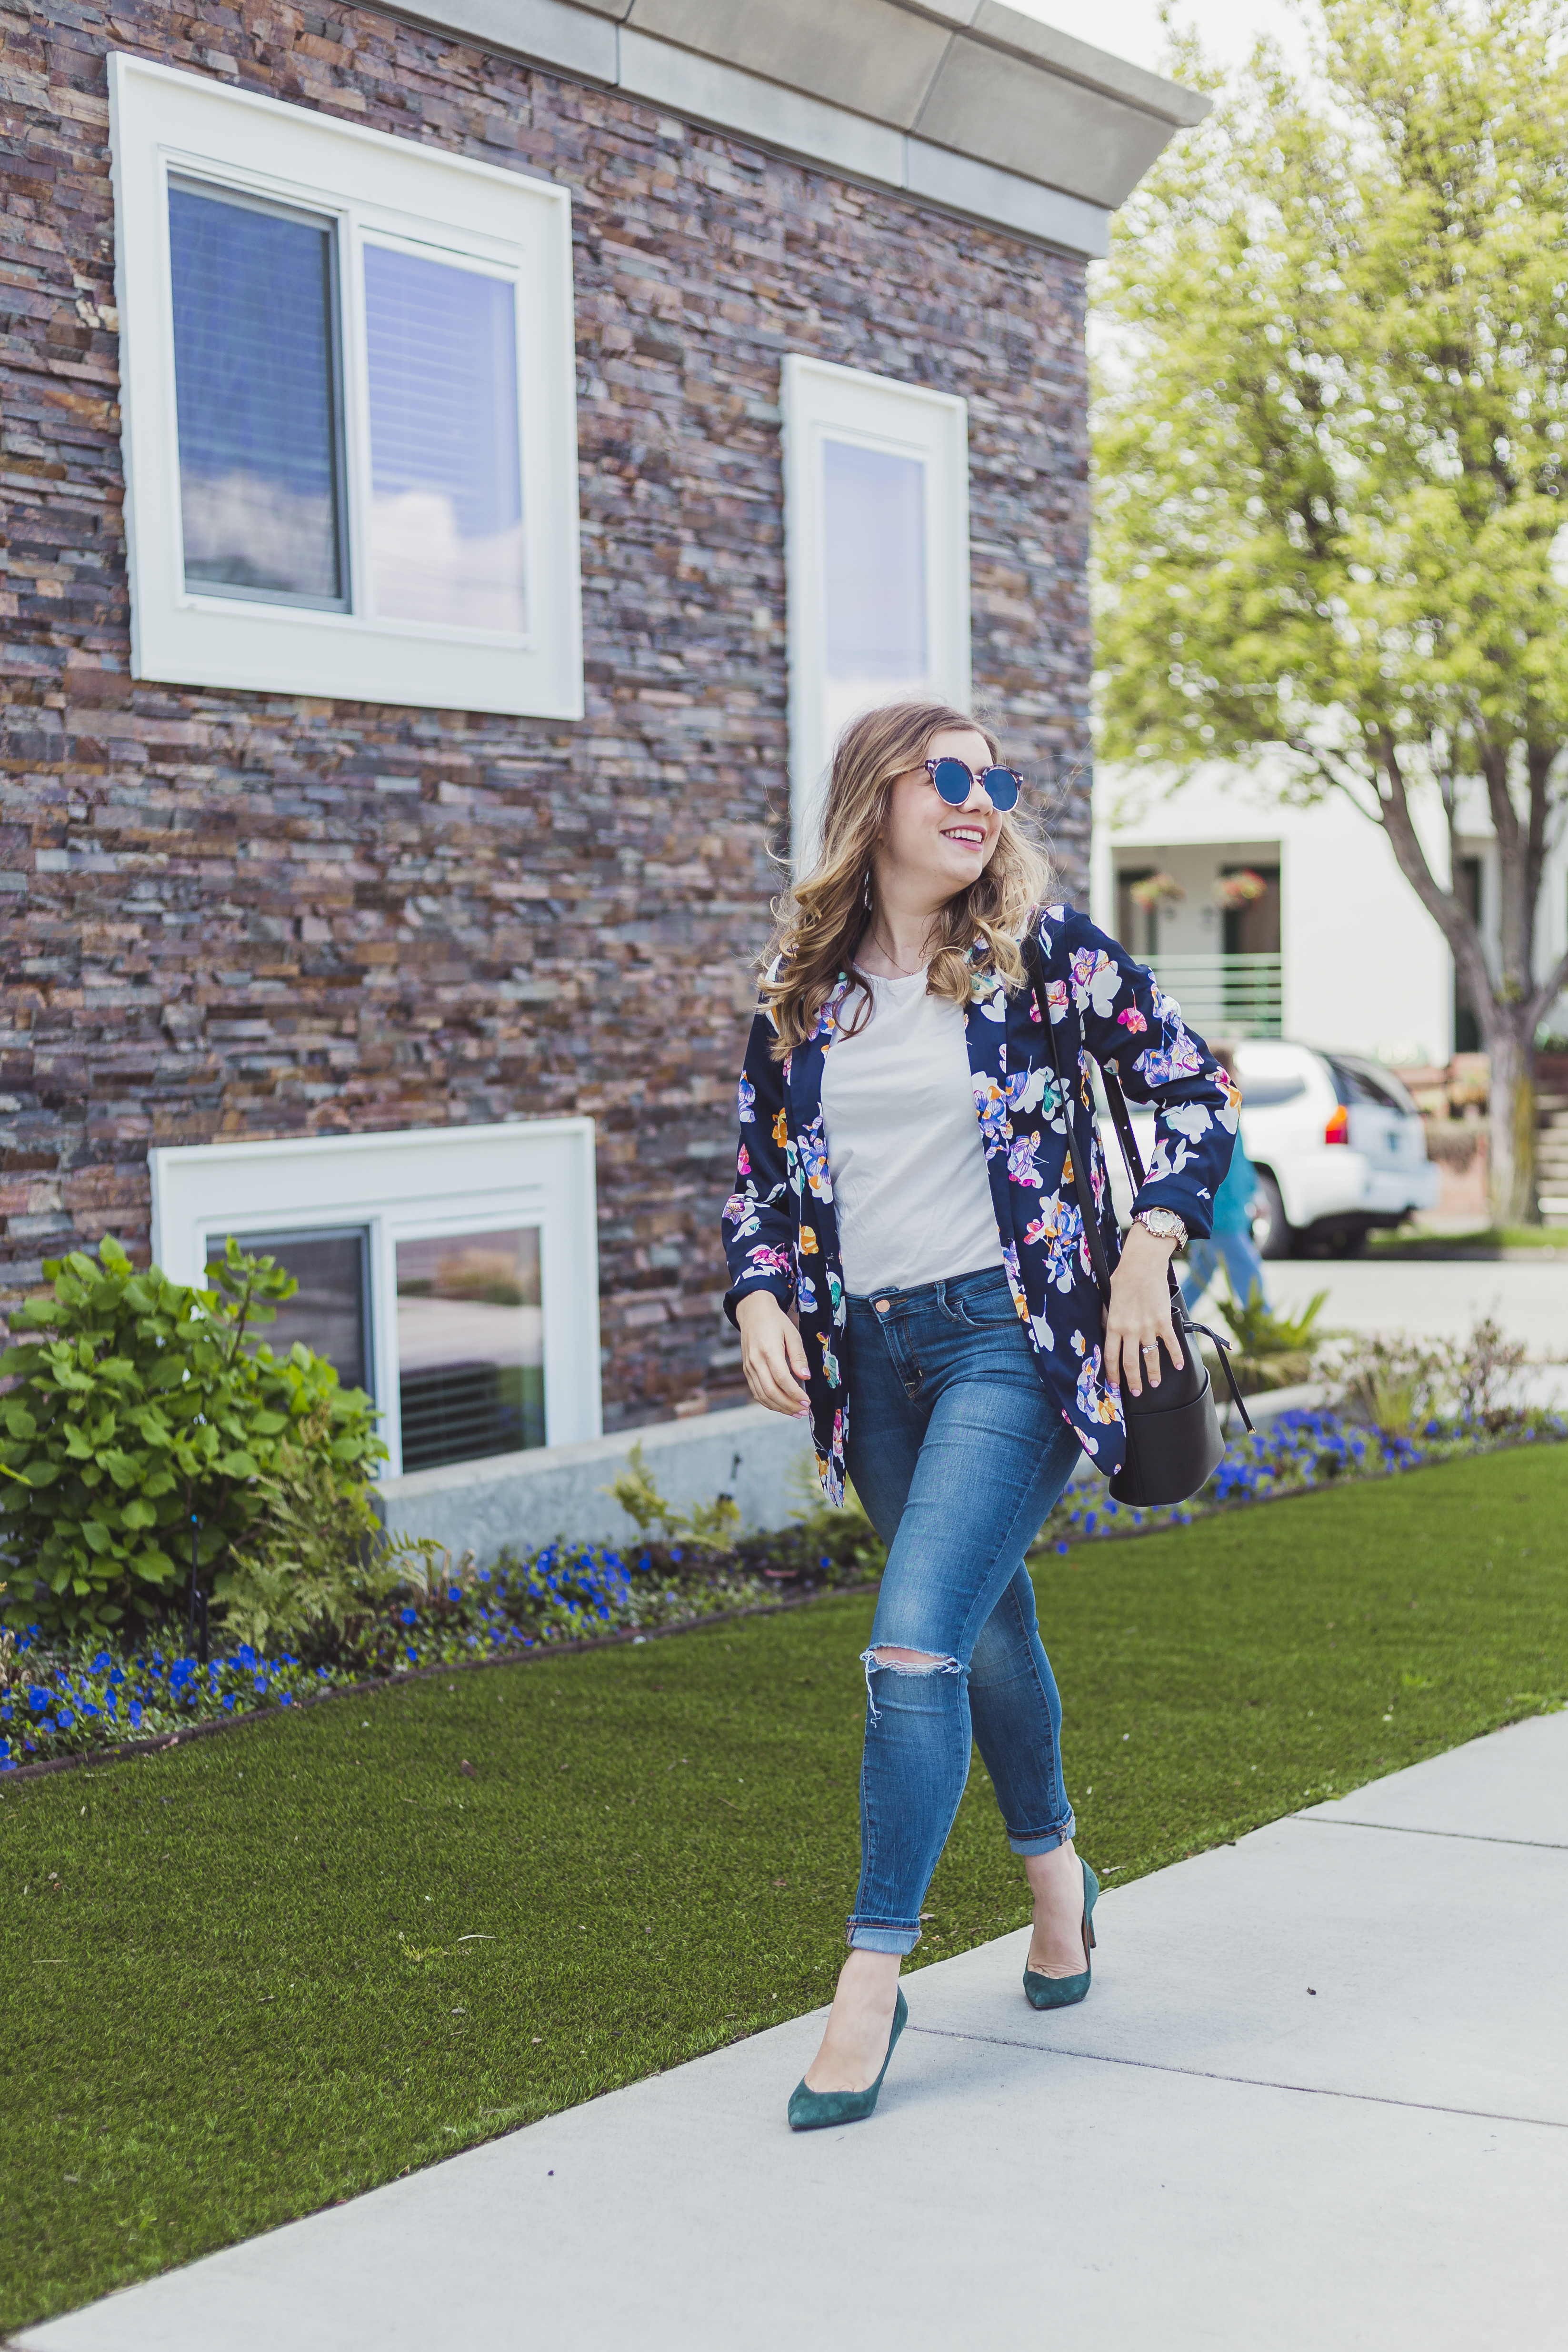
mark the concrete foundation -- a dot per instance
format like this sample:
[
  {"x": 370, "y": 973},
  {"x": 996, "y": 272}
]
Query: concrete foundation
[
  {"x": 759, "y": 1457},
  {"x": 525, "y": 1500}
]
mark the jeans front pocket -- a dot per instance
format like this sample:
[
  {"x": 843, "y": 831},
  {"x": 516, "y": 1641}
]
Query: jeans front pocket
[{"x": 982, "y": 1302}]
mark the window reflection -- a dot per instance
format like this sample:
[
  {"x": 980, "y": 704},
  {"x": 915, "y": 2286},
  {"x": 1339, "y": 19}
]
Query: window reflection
[
  {"x": 255, "y": 399},
  {"x": 330, "y": 1311},
  {"x": 875, "y": 577},
  {"x": 470, "y": 1347},
  {"x": 447, "y": 513}
]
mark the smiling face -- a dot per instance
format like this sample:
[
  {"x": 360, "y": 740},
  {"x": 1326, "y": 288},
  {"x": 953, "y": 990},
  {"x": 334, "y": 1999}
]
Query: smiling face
[{"x": 927, "y": 851}]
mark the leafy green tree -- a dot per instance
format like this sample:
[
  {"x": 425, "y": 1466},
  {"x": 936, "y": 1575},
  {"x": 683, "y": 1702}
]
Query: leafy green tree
[
  {"x": 1330, "y": 459},
  {"x": 139, "y": 1416}
]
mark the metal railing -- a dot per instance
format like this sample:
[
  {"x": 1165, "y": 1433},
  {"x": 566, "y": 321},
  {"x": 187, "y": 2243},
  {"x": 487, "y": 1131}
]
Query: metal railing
[{"x": 1225, "y": 995}]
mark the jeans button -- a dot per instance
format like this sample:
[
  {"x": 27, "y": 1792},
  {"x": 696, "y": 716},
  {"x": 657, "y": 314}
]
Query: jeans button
[{"x": 882, "y": 1305}]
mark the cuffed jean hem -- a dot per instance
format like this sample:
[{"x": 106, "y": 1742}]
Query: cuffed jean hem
[
  {"x": 1048, "y": 1841},
  {"x": 866, "y": 1936}
]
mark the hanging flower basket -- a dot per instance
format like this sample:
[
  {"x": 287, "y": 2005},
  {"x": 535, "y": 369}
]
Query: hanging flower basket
[
  {"x": 1156, "y": 890},
  {"x": 1240, "y": 889}
]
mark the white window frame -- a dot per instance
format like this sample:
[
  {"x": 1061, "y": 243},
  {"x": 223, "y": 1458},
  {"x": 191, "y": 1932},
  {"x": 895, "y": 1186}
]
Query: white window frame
[
  {"x": 165, "y": 124},
  {"x": 823, "y": 402},
  {"x": 414, "y": 1184}
]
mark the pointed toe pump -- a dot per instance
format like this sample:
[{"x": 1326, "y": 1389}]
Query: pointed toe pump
[
  {"x": 814, "y": 2110},
  {"x": 1061, "y": 1992}
]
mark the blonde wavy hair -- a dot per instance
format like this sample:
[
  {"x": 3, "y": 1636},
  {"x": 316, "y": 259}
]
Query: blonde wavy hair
[{"x": 820, "y": 923}]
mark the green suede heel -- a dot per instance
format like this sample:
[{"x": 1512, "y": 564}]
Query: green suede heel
[
  {"x": 814, "y": 2110},
  {"x": 1061, "y": 1992}
]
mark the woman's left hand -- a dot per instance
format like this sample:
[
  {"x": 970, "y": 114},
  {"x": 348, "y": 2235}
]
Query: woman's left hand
[{"x": 1139, "y": 1315}]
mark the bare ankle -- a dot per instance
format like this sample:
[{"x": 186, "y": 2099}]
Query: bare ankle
[{"x": 870, "y": 1979}]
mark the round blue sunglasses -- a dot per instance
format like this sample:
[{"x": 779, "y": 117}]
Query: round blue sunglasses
[{"x": 955, "y": 780}]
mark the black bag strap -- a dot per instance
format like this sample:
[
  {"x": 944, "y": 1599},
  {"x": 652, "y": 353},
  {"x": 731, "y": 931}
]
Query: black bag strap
[
  {"x": 1093, "y": 1238},
  {"x": 1121, "y": 1119},
  {"x": 1222, "y": 1349}
]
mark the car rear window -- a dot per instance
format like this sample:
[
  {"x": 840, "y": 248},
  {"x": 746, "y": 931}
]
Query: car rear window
[{"x": 1354, "y": 1083}]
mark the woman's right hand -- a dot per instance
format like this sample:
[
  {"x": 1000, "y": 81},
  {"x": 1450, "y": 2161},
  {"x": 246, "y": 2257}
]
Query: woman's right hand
[{"x": 772, "y": 1354}]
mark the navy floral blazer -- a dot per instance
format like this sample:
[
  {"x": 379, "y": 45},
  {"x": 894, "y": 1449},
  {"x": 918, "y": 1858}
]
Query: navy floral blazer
[{"x": 781, "y": 1234}]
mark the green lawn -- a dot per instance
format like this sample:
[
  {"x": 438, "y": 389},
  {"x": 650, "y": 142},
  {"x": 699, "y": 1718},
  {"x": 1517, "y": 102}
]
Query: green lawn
[
  {"x": 275, "y": 1968},
  {"x": 1417, "y": 1241}
]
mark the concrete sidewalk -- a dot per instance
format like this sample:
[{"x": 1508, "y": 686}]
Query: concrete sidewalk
[
  {"x": 1436, "y": 1298},
  {"x": 1317, "y": 2097}
]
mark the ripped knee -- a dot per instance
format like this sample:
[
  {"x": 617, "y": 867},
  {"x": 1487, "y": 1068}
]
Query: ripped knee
[
  {"x": 910, "y": 1662},
  {"x": 887, "y": 1658}
]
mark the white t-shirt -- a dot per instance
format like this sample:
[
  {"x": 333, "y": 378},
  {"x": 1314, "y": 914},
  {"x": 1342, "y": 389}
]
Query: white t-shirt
[{"x": 909, "y": 1186}]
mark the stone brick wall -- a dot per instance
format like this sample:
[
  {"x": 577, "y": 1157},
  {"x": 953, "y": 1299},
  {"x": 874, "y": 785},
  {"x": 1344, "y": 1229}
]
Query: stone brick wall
[{"x": 231, "y": 914}]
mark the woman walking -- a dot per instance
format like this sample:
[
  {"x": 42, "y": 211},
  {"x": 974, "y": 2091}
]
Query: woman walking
[{"x": 903, "y": 1182}]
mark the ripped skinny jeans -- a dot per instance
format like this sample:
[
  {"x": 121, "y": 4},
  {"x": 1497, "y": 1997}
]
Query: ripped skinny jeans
[{"x": 958, "y": 1454}]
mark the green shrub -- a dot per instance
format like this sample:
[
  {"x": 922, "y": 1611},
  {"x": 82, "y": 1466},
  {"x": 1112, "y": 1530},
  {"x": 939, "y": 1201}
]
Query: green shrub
[
  {"x": 1481, "y": 1371},
  {"x": 139, "y": 1417},
  {"x": 1398, "y": 1383},
  {"x": 1272, "y": 1351},
  {"x": 1259, "y": 1331},
  {"x": 316, "y": 1564},
  {"x": 716, "y": 1525}
]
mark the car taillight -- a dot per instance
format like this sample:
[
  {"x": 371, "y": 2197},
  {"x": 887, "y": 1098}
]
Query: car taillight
[{"x": 1338, "y": 1129}]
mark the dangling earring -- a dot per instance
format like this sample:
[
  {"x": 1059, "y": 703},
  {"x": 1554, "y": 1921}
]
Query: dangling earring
[{"x": 866, "y": 890}]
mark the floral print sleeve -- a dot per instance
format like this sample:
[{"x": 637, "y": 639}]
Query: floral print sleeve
[
  {"x": 758, "y": 1221},
  {"x": 1131, "y": 1026}
]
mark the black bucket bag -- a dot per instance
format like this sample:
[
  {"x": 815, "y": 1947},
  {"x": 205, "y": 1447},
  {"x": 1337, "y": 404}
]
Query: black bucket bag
[{"x": 1173, "y": 1437}]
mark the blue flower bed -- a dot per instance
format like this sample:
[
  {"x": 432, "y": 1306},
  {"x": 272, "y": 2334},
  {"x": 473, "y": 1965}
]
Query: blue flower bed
[
  {"x": 59, "y": 1703},
  {"x": 55, "y": 1703},
  {"x": 1289, "y": 1455}
]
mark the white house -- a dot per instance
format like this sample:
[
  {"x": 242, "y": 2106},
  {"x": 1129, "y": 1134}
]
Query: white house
[{"x": 1269, "y": 920}]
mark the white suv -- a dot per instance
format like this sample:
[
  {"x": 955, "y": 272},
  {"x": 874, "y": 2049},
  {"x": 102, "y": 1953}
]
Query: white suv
[{"x": 1338, "y": 1145}]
